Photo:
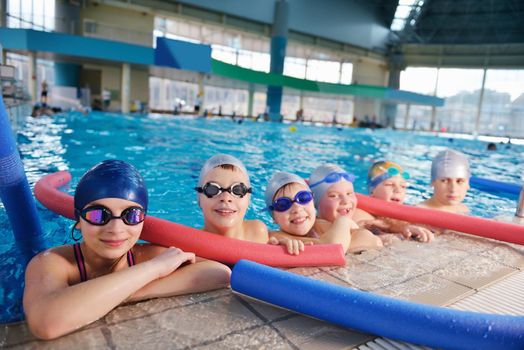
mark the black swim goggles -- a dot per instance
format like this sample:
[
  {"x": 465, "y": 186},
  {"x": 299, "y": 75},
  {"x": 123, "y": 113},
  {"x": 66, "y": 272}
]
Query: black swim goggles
[
  {"x": 99, "y": 215},
  {"x": 282, "y": 204},
  {"x": 212, "y": 189}
]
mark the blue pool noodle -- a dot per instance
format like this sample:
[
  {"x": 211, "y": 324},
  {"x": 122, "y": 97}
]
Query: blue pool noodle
[
  {"x": 15, "y": 193},
  {"x": 388, "y": 317},
  {"x": 495, "y": 187}
]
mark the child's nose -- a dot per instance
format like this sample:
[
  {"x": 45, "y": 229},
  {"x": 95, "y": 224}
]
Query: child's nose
[{"x": 225, "y": 196}]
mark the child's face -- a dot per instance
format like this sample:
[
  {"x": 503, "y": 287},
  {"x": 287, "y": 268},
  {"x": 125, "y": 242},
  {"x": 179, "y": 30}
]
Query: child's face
[
  {"x": 225, "y": 210},
  {"x": 391, "y": 190},
  {"x": 299, "y": 219},
  {"x": 114, "y": 239},
  {"x": 338, "y": 200},
  {"x": 450, "y": 191}
]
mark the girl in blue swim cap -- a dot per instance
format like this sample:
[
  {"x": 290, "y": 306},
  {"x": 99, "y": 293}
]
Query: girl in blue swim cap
[{"x": 70, "y": 286}]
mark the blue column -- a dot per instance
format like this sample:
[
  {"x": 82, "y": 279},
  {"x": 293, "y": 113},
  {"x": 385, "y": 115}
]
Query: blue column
[
  {"x": 396, "y": 65},
  {"x": 67, "y": 74},
  {"x": 278, "y": 54}
]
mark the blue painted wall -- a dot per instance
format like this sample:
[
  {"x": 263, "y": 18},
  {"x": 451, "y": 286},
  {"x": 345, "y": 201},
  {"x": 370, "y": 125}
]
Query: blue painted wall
[
  {"x": 27, "y": 39},
  {"x": 347, "y": 21},
  {"x": 183, "y": 55}
]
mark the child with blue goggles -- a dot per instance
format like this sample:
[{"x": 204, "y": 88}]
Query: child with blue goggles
[
  {"x": 335, "y": 197},
  {"x": 290, "y": 203}
]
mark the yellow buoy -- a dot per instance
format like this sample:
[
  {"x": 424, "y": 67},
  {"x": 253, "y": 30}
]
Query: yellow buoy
[{"x": 292, "y": 128}]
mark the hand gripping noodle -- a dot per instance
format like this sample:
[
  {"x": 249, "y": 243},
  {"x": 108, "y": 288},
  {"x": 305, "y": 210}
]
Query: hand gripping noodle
[
  {"x": 218, "y": 160},
  {"x": 433, "y": 326},
  {"x": 280, "y": 179},
  {"x": 450, "y": 164},
  {"x": 205, "y": 244},
  {"x": 110, "y": 179}
]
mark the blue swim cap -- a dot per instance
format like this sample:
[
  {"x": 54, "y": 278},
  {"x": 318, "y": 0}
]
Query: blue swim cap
[{"x": 110, "y": 179}]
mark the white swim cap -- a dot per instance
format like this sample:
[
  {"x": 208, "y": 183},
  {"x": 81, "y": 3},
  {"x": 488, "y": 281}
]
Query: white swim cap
[
  {"x": 218, "y": 160},
  {"x": 450, "y": 164},
  {"x": 320, "y": 183},
  {"x": 278, "y": 180}
]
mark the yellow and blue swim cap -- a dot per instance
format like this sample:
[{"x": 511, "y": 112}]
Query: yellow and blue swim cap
[{"x": 381, "y": 171}]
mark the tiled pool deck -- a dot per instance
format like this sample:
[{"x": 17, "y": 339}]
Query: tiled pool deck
[{"x": 452, "y": 268}]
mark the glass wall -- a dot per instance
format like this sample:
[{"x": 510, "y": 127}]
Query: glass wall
[
  {"x": 501, "y": 109},
  {"x": 32, "y": 14},
  {"x": 226, "y": 101},
  {"x": 44, "y": 70},
  {"x": 166, "y": 94},
  {"x": 252, "y": 51},
  {"x": 461, "y": 89}
]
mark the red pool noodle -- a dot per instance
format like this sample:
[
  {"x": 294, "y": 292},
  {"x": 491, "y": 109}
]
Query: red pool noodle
[
  {"x": 204, "y": 244},
  {"x": 488, "y": 228}
]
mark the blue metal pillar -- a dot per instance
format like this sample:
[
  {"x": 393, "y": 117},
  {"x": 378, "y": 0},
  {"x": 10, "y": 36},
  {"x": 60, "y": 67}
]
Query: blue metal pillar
[
  {"x": 67, "y": 74},
  {"x": 278, "y": 54}
]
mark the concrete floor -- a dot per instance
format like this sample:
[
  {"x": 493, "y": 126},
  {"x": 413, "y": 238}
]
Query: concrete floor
[{"x": 452, "y": 268}]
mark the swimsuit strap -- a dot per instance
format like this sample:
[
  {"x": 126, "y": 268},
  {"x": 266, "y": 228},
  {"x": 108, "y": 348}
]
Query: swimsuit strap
[
  {"x": 79, "y": 257},
  {"x": 130, "y": 258}
]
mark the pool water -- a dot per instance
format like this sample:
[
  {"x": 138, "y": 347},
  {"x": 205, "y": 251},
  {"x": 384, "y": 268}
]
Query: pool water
[{"x": 169, "y": 152}]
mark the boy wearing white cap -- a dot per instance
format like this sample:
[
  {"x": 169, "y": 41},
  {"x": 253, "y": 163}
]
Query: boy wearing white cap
[
  {"x": 450, "y": 175},
  {"x": 224, "y": 193},
  {"x": 334, "y": 196},
  {"x": 290, "y": 203}
]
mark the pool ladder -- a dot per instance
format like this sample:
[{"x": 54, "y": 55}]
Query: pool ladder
[{"x": 520, "y": 205}]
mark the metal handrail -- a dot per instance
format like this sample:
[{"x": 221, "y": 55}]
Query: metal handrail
[{"x": 520, "y": 205}]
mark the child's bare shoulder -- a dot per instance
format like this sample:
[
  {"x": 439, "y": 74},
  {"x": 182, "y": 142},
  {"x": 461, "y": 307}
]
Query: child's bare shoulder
[{"x": 256, "y": 231}]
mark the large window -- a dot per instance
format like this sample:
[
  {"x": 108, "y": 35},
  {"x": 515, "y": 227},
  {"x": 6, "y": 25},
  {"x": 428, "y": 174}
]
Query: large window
[
  {"x": 295, "y": 67},
  {"x": 252, "y": 51},
  {"x": 33, "y": 14},
  {"x": 461, "y": 89},
  {"x": 165, "y": 94},
  {"x": 501, "y": 108},
  {"x": 502, "y": 111},
  {"x": 225, "y": 101},
  {"x": 328, "y": 71}
]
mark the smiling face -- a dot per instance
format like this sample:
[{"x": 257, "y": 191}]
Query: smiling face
[
  {"x": 338, "y": 200},
  {"x": 115, "y": 238},
  {"x": 224, "y": 211},
  {"x": 299, "y": 219},
  {"x": 391, "y": 190},
  {"x": 450, "y": 191}
]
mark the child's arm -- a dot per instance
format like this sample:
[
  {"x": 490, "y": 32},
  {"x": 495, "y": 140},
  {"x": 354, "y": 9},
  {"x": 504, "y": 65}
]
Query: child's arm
[
  {"x": 294, "y": 244},
  {"x": 194, "y": 277},
  {"x": 406, "y": 229},
  {"x": 339, "y": 232},
  {"x": 54, "y": 308}
]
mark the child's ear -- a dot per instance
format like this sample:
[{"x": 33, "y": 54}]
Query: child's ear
[{"x": 77, "y": 225}]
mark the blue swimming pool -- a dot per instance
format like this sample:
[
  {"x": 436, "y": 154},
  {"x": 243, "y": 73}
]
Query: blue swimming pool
[{"x": 169, "y": 152}]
